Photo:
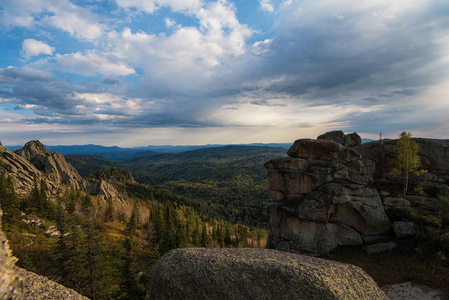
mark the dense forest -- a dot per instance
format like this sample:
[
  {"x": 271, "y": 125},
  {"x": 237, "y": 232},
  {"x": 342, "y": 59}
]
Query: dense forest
[
  {"x": 104, "y": 248},
  {"x": 227, "y": 183}
]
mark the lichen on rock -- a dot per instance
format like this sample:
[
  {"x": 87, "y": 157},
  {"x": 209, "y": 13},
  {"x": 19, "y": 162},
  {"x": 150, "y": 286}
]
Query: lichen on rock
[{"x": 207, "y": 273}]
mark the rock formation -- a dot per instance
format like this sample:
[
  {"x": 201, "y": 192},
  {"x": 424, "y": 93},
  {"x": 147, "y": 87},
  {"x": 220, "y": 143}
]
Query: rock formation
[
  {"x": 347, "y": 140},
  {"x": 34, "y": 161},
  {"x": 103, "y": 182},
  {"x": 19, "y": 168},
  {"x": 104, "y": 188},
  {"x": 327, "y": 194},
  {"x": 321, "y": 197},
  {"x": 17, "y": 283},
  {"x": 256, "y": 274},
  {"x": 52, "y": 165}
]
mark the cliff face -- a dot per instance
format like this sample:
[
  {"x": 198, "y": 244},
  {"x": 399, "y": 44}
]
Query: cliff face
[
  {"x": 326, "y": 194},
  {"x": 17, "y": 283},
  {"x": 53, "y": 165},
  {"x": 35, "y": 161},
  {"x": 321, "y": 197},
  {"x": 19, "y": 168}
]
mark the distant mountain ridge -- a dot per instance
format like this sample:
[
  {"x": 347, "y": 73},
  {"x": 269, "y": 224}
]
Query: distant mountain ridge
[{"x": 117, "y": 153}]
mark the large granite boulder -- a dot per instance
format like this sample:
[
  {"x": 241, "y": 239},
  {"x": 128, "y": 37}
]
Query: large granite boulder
[{"x": 256, "y": 274}]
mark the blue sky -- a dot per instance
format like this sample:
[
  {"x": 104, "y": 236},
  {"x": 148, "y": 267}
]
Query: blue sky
[{"x": 140, "y": 72}]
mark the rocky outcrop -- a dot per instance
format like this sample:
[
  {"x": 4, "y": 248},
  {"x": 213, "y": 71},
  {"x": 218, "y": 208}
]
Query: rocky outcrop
[
  {"x": 338, "y": 136},
  {"x": 321, "y": 197},
  {"x": 17, "y": 283},
  {"x": 19, "y": 168},
  {"x": 256, "y": 274},
  {"x": 103, "y": 188},
  {"x": 104, "y": 182},
  {"x": 35, "y": 162},
  {"x": 52, "y": 165}
]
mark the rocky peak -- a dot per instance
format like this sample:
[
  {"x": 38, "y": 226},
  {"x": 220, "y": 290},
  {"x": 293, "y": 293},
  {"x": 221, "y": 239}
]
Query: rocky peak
[
  {"x": 33, "y": 149},
  {"x": 35, "y": 161}
]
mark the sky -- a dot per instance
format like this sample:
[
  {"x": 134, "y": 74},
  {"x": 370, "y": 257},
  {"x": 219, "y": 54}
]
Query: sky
[{"x": 183, "y": 72}]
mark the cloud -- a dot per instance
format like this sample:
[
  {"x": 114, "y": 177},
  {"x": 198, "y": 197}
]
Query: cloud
[
  {"x": 266, "y": 5},
  {"x": 150, "y": 6},
  {"x": 14, "y": 74},
  {"x": 108, "y": 80},
  {"x": 78, "y": 22},
  {"x": 191, "y": 59},
  {"x": 92, "y": 63},
  {"x": 323, "y": 64},
  {"x": 62, "y": 14},
  {"x": 169, "y": 23},
  {"x": 31, "y": 47}
]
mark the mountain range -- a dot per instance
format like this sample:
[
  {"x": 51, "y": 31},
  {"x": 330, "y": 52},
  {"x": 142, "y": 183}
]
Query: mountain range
[{"x": 118, "y": 153}]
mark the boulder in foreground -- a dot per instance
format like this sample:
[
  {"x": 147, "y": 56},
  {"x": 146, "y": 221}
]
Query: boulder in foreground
[{"x": 207, "y": 273}]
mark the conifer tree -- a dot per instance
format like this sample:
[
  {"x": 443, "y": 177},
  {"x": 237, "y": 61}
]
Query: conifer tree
[
  {"x": 196, "y": 236},
  {"x": 204, "y": 237},
  {"x": 169, "y": 238},
  {"x": 227, "y": 237},
  {"x": 130, "y": 288}
]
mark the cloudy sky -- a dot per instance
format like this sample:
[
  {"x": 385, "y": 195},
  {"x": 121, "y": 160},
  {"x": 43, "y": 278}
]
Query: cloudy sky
[{"x": 140, "y": 72}]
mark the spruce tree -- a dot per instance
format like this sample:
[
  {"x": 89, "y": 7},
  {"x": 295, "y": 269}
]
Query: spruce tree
[{"x": 204, "y": 237}]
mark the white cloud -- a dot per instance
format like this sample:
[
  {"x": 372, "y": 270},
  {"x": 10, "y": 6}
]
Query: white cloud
[
  {"x": 150, "y": 6},
  {"x": 169, "y": 23},
  {"x": 261, "y": 47},
  {"x": 92, "y": 62},
  {"x": 191, "y": 57},
  {"x": 74, "y": 23},
  {"x": 266, "y": 5},
  {"x": 62, "y": 14},
  {"x": 32, "y": 47}
]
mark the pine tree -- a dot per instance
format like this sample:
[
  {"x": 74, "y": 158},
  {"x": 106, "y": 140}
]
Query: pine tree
[
  {"x": 220, "y": 236},
  {"x": 196, "y": 236},
  {"x": 130, "y": 288},
  {"x": 109, "y": 211},
  {"x": 227, "y": 237},
  {"x": 169, "y": 238},
  {"x": 204, "y": 237}
]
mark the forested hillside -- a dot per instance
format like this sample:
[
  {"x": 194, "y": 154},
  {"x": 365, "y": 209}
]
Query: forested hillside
[
  {"x": 223, "y": 182},
  {"x": 104, "y": 248}
]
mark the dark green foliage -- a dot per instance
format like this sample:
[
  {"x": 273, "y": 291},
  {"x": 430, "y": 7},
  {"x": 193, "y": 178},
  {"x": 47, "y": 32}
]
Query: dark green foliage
[
  {"x": 130, "y": 289},
  {"x": 38, "y": 201},
  {"x": 204, "y": 237},
  {"x": 8, "y": 200},
  {"x": 227, "y": 183},
  {"x": 114, "y": 174}
]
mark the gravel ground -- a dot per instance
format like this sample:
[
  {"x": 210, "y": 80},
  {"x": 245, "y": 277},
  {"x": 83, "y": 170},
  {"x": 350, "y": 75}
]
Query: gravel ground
[{"x": 410, "y": 291}]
